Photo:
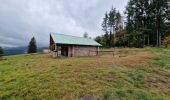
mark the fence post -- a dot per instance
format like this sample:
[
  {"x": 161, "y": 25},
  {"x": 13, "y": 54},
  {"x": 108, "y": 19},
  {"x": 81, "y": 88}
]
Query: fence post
[{"x": 97, "y": 51}]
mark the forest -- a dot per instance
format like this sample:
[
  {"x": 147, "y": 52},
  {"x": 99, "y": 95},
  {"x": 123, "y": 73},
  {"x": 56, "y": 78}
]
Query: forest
[{"x": 147, "y": 24}]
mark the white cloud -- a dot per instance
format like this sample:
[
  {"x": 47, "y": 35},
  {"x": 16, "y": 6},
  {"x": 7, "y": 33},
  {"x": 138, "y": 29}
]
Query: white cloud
[{"x": 20, "y": 20}]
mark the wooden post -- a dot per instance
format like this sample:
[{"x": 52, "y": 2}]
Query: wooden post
[
  {"x": 89, "y": 53},
  {"x": 72, "y": 51},
  {"x": 144, "y": 41},
  {"x": 97, "y": 51},
  {"x": 148, "y": 40},
  {"x": 55, "y": 49}
]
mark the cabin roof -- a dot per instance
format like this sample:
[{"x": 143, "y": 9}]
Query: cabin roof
[{"x": 74, "y": 40}]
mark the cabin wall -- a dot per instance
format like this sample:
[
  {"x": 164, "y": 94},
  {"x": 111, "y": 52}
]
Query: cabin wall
[
  {"x": 54, "y": 54},
  {"x": 79, "y": 51},
  {"x": 70, "y": 51}
]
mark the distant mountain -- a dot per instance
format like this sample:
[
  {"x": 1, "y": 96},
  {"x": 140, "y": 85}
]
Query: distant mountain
[
  {"x": 15, "y": 50},
  {"x": 18, "y": 50}
]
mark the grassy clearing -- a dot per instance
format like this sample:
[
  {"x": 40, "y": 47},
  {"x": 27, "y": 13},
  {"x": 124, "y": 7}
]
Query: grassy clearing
[{"x": 143, "y": 74}]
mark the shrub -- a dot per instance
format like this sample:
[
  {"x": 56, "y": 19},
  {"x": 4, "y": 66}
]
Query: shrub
[
  {"x": 106, "y": 95},
  {"x": 166, "y": 41},
  {"x": 121, "y": 93}
]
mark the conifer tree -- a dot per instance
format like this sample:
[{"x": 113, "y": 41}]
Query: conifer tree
[
  {"x": 1, "y": 51},
  {"x": 32, "y": 47}
]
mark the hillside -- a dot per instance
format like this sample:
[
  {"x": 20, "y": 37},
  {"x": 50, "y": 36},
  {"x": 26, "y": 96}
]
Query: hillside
[
  {"x": 19, "y": 50},
  {"x": 138, "y": 74}
]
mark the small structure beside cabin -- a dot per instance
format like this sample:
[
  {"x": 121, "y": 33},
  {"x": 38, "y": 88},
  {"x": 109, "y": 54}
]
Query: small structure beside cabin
[{"x": 72, "y": 46}]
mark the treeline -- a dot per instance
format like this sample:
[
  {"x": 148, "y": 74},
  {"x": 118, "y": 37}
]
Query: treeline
[{"x": 148, "y": 22}]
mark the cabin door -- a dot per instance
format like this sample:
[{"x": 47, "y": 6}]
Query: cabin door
[{"x": 64, "y": 51}]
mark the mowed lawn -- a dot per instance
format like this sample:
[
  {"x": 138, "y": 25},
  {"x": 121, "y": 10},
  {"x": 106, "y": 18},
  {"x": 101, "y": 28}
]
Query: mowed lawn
[{"x": 138, "y": 74}]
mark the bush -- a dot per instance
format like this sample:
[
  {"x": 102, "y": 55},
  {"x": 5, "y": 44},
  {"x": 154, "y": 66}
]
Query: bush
[
  {"x": 166, "y": 41},
  {"x": 106, "y": 95},
  {"x": 136, "y": 39},
  {"x": 121, "y": 93}
]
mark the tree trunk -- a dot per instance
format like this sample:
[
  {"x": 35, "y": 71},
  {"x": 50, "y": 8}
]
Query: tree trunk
[
  {"x": 148, "y": 40},
  {"x": 144, "y": 40},
  {"x": 110, "y": 40},
  {"x": 157, "y": 38}
]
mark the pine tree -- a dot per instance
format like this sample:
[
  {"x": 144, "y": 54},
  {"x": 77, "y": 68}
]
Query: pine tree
[
  {"x": 159, "y": 11},
  {"x": 167, "y": 19},
  {"x": 105, "y": 29},
  {"x": 1, "y": 51},
  {"x": 107, "y": 39},
  {"x": 105, "y": 23},
  {"x": 118, "y": 19},
  {"x": 111, "y": 24},
  {"x": 32, "y": 47}
]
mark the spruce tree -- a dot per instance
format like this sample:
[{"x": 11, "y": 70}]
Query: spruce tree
[
  {"x": 160, "y": 8},
  {"x": 105, "y": 29},
  {"x": 32, "y": 47},
  {"x": 1, "y": 51},
  {"x": 167, "y": 19},
  {"x": 105, "y": 23},
  {"x": 111, "y": 24}
]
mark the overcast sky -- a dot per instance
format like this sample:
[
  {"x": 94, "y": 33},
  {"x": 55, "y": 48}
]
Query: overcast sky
[{"x": 22, "y": 19}]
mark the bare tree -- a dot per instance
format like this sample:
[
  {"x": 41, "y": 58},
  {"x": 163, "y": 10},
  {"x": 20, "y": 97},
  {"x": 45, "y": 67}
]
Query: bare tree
[{"x": 85, "y": 35}]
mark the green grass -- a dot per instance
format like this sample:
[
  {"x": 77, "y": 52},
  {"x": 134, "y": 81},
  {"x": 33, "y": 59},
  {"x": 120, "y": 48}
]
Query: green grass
[
  {"x": 163, "y": 61},
  {"x": 144, "y": 74}
]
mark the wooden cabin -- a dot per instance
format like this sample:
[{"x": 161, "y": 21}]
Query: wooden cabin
[{"x": 72, "y": 46}]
